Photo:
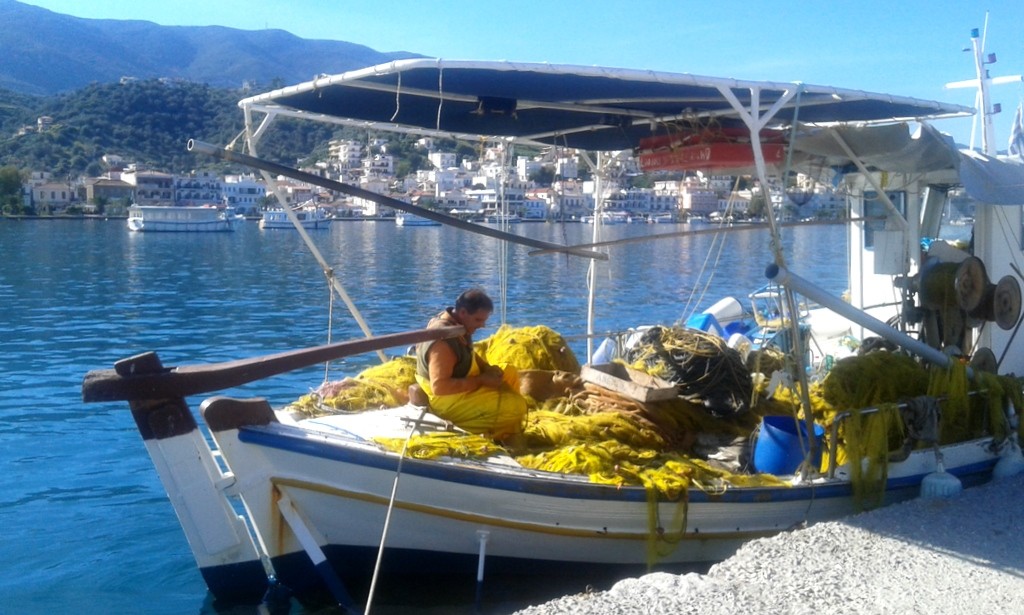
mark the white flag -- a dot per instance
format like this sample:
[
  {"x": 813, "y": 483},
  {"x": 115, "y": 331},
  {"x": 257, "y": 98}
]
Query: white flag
[{"x": 1016, "y": 146}]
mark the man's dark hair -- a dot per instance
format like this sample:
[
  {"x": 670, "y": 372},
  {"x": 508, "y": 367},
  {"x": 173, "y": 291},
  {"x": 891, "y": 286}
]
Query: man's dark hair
[{"x": 474, "y": 300}]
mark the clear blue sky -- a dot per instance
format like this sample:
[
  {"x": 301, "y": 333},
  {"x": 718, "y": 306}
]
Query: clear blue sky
[{"x": 904, "y": 47}]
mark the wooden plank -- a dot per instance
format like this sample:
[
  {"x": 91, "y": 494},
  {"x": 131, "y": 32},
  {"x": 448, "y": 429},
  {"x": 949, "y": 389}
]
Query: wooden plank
[
  {"x": 125, "y": 383},
  {"x": 630, "y": 382}
]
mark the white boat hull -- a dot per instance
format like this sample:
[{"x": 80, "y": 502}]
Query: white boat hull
[
  {"x": 310, "y": 219},
  {"x": 167, "y": 219},
  {"x": 404, "y": 219},
  {"x": 522, "y": 521}
]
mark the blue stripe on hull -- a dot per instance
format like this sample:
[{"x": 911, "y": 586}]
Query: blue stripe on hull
[{"x": 294, "y": 440}]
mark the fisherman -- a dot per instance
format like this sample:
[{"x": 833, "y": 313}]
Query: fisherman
[{"x": 461, "y": 385}]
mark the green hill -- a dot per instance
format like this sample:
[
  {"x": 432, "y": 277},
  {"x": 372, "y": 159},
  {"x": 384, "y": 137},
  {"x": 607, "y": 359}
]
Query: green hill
[
  {"x": 147, "y": 122},
  {"x": 44, "y": 52}
]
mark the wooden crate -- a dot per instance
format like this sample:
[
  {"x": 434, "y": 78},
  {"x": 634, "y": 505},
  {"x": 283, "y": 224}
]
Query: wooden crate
[{"x": 630, "y": 382}]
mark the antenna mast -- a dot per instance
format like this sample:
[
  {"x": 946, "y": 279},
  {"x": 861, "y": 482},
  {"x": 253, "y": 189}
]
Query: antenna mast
[{"x": 982, "y": 83}]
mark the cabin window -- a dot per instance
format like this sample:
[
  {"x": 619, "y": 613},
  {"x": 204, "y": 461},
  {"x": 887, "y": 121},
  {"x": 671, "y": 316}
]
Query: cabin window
[
  {"x": 874, "y": 207},
  {"x": 958, "y": 218}
]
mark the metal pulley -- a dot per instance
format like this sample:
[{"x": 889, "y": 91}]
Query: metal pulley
[
  {"x": 971, "y": 284},
  {"x": 983, "y": 300},
  {"x": 984, "y": 360},
  {"x": 1006, "y": 302}
]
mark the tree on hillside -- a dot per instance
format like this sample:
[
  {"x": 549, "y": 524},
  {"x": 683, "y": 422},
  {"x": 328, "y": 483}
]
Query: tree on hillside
[
  {"x": 543, "y": 176},
  {"x": 149, "y": 122},
  {"x": 10, "y": 190}
]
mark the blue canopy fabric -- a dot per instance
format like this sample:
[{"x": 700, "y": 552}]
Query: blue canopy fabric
[
  {"x": 597, "y": 109},
  {"x": 611, "y": 109}
]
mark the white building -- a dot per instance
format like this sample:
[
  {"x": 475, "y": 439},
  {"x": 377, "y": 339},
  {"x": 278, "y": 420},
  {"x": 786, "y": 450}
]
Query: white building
[
  {"x": 535, "y": 209},
  {"x": 368, "y": 207},
  {"x": 442, "y": 160},
  {"x": 244, "y": 193},
  {"x": 151, "y": 187},
  {"x": 697, "y": 200},
  {"x": 445, "y": 180},
  {"x": 346, "y": 154},
  {"x": 569, "y": 200},
  {"x": 198, "y": 188},
  {"x": 457, "y": 202},
  {"x": 380, "y": 165},
  {"x": 567, "y": 168},
  {"x": 509, "y": 199},
  {"x": 525, "y": 167},
  {"x": 52, "y": 196}
]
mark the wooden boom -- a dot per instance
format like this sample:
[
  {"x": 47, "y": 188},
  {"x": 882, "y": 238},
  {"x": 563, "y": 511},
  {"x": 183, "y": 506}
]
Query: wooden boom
[{"x": 125, "y": 382}]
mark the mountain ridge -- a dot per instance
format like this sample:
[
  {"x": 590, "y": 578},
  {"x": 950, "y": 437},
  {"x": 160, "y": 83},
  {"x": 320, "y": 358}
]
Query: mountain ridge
[{"x": 48, "y": 53}]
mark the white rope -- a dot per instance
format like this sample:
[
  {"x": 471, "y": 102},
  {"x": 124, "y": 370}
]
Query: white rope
[
  {"x": 398, "y": 92},
  {"x": 696, "y": 296},
  {"x": 504, "y": 224},
  {"x": 330, "y": 328},
  {"x": 391, "y": 507},
  {"x": 440, "y": 93},
  {"x": 332, "y": 280}
]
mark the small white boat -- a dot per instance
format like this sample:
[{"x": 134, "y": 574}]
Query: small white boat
[
  {"x": 499, "y": 218},
  {"x": 169, "y": 218},
  {"x": 309, "y": 216},
  {"x": 609, "y": 217},
  {"x": 406, "y": 219}
]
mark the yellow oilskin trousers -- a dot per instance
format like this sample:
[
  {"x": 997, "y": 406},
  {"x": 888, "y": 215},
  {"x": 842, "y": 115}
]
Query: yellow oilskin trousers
[{"x": 496, "y": 413}]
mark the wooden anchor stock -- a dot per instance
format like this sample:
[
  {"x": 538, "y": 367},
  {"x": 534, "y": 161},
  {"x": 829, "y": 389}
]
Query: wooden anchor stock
[{"x": 142, "y": 376}]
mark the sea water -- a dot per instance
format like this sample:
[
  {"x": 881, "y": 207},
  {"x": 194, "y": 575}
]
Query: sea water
[{"x": 86, "y": 526}]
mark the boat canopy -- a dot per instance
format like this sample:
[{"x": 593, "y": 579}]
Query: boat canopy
[
  {"x": 990, "y": 180},
  {"x": 591, "y": 108},
  {"x": 610, "y": 109}
]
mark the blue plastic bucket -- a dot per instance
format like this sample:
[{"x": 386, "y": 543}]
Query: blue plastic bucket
[{"x": 778, "y": 450}]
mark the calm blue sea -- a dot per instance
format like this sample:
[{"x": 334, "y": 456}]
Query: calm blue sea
[{"x": 86, "y": 526}]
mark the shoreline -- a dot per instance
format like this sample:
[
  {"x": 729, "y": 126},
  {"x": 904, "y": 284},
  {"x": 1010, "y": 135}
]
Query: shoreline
[{"x": 957, "y": 555}]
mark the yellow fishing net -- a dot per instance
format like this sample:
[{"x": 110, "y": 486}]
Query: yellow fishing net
[
  {"x": 612, "y": 439},
  {"x": 444, "y": 444},
  {"x": 537, "y": 347},
  {"x": 386, "y": 385},
  {"x": 381, "y": 386}
]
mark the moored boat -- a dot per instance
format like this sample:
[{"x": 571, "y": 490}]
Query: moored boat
[
  {"x": 609, "y": 217},
  {"x": 309, "y": 216},
  {"x": 170, "y": 218},
  {"x": 335, "y": 495},
  {"x": 500, "y": 218},
  {"x": 406, "y": 219}
]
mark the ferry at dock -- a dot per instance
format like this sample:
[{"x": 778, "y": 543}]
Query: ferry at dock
[{"x": 170, "y": 218}]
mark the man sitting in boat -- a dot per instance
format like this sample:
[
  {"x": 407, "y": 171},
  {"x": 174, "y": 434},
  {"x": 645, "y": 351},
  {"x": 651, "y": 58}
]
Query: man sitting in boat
[{"x": 462, "y": 387}]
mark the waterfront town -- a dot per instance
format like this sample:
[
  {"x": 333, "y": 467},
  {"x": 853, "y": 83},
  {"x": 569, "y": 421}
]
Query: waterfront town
[{"x": 546, "y": 186}]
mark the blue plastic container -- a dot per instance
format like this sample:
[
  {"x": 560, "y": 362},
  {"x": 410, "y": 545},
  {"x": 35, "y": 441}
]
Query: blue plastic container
[{"x": 778, "y": 450}]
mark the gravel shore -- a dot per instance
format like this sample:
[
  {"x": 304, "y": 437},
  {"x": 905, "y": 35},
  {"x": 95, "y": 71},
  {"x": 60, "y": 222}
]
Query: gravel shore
[{"x": 958, "y": 555}]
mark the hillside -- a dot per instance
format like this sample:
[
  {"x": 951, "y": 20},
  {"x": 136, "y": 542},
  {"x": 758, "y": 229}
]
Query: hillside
[
  {"x": 47, "y": 53},
  {"x": 183, "y": 82},
  {"x": 147, "y": 122}
]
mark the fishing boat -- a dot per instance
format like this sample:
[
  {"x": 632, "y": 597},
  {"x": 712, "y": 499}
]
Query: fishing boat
[
  {"x": 171, "y": 218},
  {"x": 408, "y": 219},
  {"x": 500, "y": 218},
  {"x": 308, "y": 215},
  {"x": 609, "y": 217},
  {"x": 337, "y": 501}
]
